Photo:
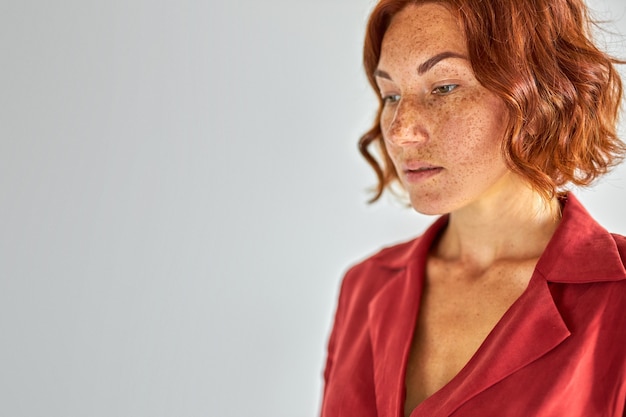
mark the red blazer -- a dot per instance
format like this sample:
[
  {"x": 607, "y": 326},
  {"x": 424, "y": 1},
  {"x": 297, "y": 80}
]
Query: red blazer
[{"x": 559, "y": 351}]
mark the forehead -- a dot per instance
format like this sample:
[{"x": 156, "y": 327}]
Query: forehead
[{"x": 423, "y": 29}]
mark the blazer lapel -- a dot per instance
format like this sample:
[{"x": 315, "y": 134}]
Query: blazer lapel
[
  {"x": 531, "y": 328},
  {"x": 392, "y": 317}
]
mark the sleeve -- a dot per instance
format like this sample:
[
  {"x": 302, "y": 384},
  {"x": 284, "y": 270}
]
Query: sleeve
[{"x": 336, "y": 330}]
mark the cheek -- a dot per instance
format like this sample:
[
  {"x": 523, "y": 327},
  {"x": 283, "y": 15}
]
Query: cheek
[{"x": 475, "y": 139}]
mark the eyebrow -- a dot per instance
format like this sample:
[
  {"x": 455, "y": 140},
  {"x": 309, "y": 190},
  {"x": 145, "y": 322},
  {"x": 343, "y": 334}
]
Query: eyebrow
[{"x": 426, "y": 65}]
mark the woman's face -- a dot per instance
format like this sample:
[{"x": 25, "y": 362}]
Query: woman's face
[{"x": 442, "y": 129}]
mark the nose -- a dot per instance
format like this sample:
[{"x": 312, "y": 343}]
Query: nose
[{"x": 407, "y": 124}]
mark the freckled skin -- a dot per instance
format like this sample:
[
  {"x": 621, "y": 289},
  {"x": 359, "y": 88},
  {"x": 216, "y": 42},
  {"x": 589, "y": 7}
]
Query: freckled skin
[
  {"x": 459, "y": 130},
  {"x": 439, "y": 116}
]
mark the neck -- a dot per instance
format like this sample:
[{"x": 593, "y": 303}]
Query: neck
[{"x": 514, "y": 223}]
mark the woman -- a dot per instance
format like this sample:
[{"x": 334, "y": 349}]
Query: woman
[{"x": 513, "y": 303}]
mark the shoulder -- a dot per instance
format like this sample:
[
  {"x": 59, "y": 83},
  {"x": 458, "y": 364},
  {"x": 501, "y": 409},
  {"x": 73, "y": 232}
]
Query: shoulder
[
  {"x": 364, "y": 280},
  {"x": 391, "y": 258},
  {"x": 368, "y": 276}
]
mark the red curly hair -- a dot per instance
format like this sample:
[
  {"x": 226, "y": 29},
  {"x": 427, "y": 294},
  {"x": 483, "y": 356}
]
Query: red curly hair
[{"x": 562, "y": 93}]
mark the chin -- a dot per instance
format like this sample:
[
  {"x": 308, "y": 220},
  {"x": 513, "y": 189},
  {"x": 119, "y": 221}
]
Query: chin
[
  {"x": 430, "y": 206},
  {"x": 430, "y": 212}
]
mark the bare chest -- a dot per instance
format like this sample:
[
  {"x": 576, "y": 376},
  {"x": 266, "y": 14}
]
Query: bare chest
[{"x": 456, "y": 314}]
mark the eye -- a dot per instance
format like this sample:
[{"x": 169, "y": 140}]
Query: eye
[
  {"x": 445, "y": 89},
  {"x": 391, "y": 98}
]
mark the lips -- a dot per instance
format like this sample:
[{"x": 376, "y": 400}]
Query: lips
[
  {"x": 419, "y": 166},
  {"x": 420, "y": 171},
  {"x": 423, "y": 169}
]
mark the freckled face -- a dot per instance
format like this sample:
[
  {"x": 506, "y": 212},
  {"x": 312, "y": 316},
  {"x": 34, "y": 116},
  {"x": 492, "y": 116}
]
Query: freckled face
[{"x": 442, "y": 129}]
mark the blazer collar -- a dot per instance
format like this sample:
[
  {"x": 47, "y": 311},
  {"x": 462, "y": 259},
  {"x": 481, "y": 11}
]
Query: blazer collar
[{"x": 580, "y": 251}]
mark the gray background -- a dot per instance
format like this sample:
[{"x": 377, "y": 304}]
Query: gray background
[{"x": 180, "y": 193}]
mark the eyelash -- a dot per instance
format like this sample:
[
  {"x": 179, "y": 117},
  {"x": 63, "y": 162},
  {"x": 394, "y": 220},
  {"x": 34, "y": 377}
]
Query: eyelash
[
  {"x": 445, "y": 89},
  {"x": 391, "y": 98},
  {"x": 442, "y": 90}
]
